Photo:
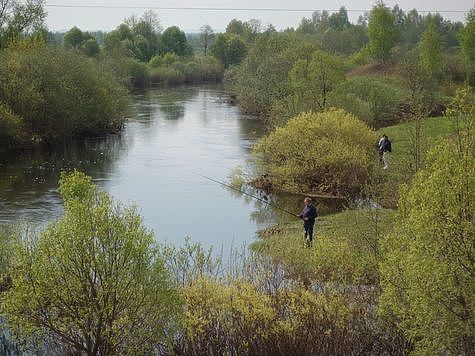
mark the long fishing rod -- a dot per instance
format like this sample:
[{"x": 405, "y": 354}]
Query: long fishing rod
[{"x": 248, "y": 194}]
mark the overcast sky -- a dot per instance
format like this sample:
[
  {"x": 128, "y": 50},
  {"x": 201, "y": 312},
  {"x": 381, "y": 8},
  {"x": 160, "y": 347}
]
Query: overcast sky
[{"x": 191, "y": 20}]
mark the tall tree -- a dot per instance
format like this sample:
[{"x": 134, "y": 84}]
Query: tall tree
[
  {"x": 206, "y": 37},
  {"x": 93, "y": 281},
  {"x": 431, "y": 49},
  {"x": 19, "y": 17},
  {"x": 173, "y": 40},
  {"x": 229, "y": 49},
  {"x": 314, "y": 78},
  {"x": 467, "y": 38},
  {"x": 382, "y": 32},
  {"x": 339, "y": 20}
]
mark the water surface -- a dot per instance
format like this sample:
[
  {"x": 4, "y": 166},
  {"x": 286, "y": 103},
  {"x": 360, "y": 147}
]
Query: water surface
[{"x": 172, "y": 135}]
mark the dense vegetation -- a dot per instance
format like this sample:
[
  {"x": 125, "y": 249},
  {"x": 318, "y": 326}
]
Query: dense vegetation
[
  {"x": 328, "y": 152},
  {"x": 376, "y": 281},
  {"x": 48, "y": 94}
]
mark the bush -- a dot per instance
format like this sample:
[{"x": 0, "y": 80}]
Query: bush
[
  {"x": 353, "y": 104},
  {"x": 328, "y": 152},
  {"x": 263, "y": 79},
  {"x": 59, "y": 93},
  {"x": 138, "y": 73},
  {"x": 384, "y": 98},
  {"x": 236, "y": 318},
  {"x": 92, "y": 282},
  {"x": 167, "y": 75},
  {"x": 11, "y": 127},
  {"x": 428, "y": 270}
]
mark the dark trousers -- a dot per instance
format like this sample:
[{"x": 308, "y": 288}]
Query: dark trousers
[{"x": 308, "y": 226}]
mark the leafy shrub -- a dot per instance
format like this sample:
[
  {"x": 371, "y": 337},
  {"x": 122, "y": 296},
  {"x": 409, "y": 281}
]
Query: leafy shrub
[
  {"x": 327, "y": 152},
  {"x": 167, "y": 75},
  {"x": 93, "y": 272},
  {"x": 427, "y": 271},
  {"x": 263, "y": 77},
  {"x": 353, "y": 104},
  {"x": 155, "y": 61},
  {"x": 169, "y": 58},
  {"x": 11, "y": 127},
  {"x": 236, "y": 318},
  {"x": 137, "y": 72},
  {"x": 384, "y": 97},
  {"x": 59, "y": 93}
]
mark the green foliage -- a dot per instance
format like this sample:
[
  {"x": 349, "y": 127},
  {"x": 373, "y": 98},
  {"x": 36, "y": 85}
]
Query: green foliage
[
  {"x": 431, "y": 49},
  {"x": 326, "y": 152},
  {"x": 467, "y": 37},
  {"x": 82, "y": 41},
  {"x": 345, "y": 249},
  {"x": 383, "y": 97},
  {"x": 173, "y": 40},
  {"x": 58, "y": 93},
  {"x": 247, "y": 30},
  {"x": 313, "y": 79},
  {"x": 11, "y": 127},
  {"x": 206, "y": 38},
  {"x": 137, "y": 38},
  {"x": 382, "y": 32},
  {"x": 229, "y": 49},
  {"x": 353, "y": 104},
  {"x": 173, "y": 70},
  {"x": 6, "y": 241},
  {"x": 467, "y": 44},
  {"x": 262, "y": 80},
  {"x": 20, "y": 18},
  {"x": 93, "y": 281},
  {"x": 428, "y": 269},
  {"x": 238, "y": 318},
  {"x": 167, "y": 75}
]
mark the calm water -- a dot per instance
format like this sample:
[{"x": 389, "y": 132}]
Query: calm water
[{"x": 171, "y": 135}]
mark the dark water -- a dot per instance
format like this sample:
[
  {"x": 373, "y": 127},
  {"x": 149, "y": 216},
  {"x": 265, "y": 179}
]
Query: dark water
[{"x": 171, "y": 135}]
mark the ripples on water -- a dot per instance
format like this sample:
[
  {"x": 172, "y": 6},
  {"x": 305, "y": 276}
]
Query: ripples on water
[{"x": 171, "y": 133}]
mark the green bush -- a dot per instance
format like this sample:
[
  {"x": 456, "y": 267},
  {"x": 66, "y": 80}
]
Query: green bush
[
  {"x": 59, "y": 93},
  {"x": 263, "y": 77},
  {"x": 138, "y": 72},
  {"x": 96, "y": 271},
  {"x": 427, "y": 270},
  {"x": 11, "y": 127},
  {"x": 328, "y": 152},
  {"x": 166, "y": 75},
  {"x": 383, "y": 96},
  {"x": 355, "y": 105}
]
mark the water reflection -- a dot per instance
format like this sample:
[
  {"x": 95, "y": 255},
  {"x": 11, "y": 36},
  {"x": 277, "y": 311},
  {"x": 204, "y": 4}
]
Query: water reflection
[
  {"x": 171, "y": 135},
  {"x": 29, "y": 179}
]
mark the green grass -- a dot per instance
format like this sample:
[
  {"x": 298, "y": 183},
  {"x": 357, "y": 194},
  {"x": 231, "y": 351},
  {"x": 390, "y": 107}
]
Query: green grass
[
  {"x": 345, "y": 248},
  {"x": 402, "y": 161},
  {"x": 401, "y": 136}
]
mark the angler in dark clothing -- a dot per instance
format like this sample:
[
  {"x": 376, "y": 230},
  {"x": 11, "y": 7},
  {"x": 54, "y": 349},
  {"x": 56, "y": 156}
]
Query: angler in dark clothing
[{"x": 309, "y": 214}]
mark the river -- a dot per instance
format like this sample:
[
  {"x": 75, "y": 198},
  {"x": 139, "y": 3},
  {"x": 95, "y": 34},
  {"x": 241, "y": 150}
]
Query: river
[{"x": 173, "y": 136}]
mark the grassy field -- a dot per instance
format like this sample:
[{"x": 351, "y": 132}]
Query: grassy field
[{"x": 402, "y": 138}]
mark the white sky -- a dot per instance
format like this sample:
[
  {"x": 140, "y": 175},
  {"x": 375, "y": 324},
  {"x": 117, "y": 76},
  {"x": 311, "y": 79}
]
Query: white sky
[{"x": 191, "y": 20}]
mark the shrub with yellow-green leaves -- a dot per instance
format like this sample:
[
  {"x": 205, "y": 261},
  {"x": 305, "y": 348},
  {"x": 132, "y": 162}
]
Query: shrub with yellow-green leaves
[
  {"x": 238, "y": 318},
  {"x": 329, "y": 152},
  {"x": 222, "y": 319}
]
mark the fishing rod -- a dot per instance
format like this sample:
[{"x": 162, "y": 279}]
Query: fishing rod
[{"x": 248, "y": 194}]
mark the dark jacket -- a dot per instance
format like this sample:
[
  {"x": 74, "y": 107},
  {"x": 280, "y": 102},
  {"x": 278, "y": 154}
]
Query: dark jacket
[
  {"x": 385, "y": 145},
  {"x": 309, "y": 212}
]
